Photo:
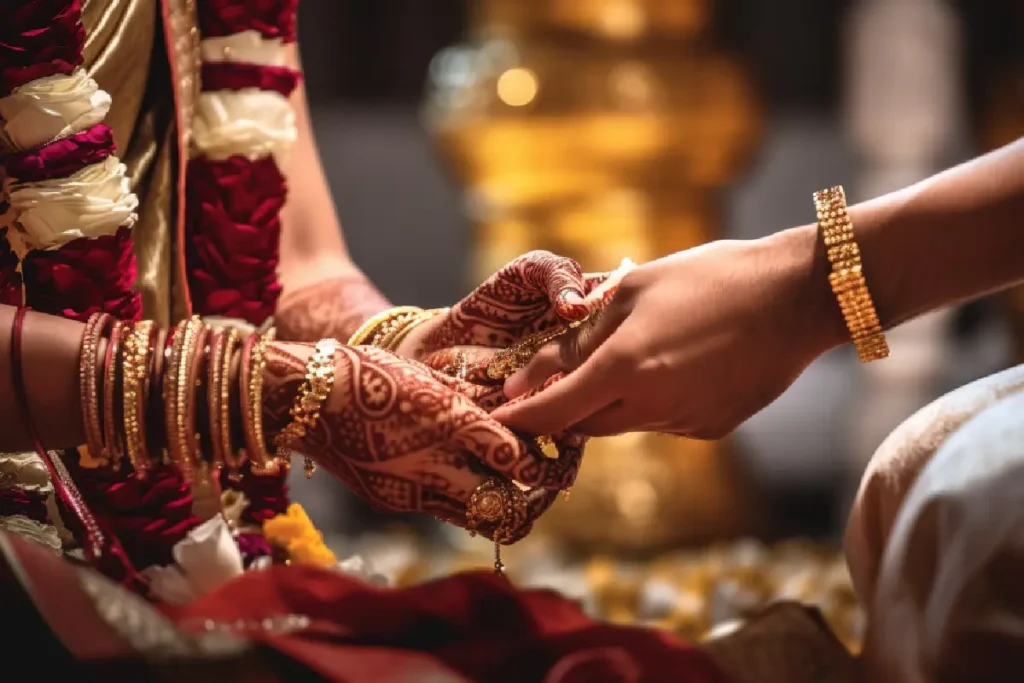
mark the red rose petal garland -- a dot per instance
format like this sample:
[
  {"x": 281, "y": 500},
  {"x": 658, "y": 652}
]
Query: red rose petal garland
[
  {"x": 236, "y": 190},
  {"x": 39, "y": 39},
  {"x": 10, "y": 278},
  {"x": 234, "y": 204},
  {"x": 78, "y": 270}
]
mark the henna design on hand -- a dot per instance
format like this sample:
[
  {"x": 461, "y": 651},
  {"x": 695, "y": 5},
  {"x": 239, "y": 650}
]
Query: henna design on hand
[
  {"x": 406, "y": 438},
  {"x": 533, "y": 293},
  {"x": 333, "y": 308}
]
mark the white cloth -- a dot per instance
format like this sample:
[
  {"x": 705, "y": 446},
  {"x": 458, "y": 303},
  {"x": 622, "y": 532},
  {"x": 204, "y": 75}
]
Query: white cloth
[
  {"x": 93, "y": 202},
  {"x": 247, "y": 47},
  {"x": 949, "y": 602},
  {"x": 51, "y": 108},
  {"x": 251, "y": 123},
  {"x": 897, "y": 463}
]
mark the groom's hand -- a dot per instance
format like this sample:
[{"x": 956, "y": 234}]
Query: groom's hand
[{"x": 691, "y": 344}]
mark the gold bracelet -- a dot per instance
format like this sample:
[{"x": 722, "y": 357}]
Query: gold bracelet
[
  {"x": 89, "y": 385},
  {"x": 400, "y": 334},
  {"x": 184, "y": 446},
  {"x": 214, "y": 384},
  {"x": 847, "y": 276},
  {"x": 254, "y": 362},
  {"x": 170, "y": 391},
  {"x": 135, "y": 370},
  {"x": 220, "y": 400},
  {"x": 314, "y": 391},
  {"x": 373, "y": 327}
]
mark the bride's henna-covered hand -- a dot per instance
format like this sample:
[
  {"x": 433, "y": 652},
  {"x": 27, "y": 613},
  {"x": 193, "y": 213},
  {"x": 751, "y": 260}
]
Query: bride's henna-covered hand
[
  {"x": 333, "y": 308},
  {"x": 406, "y": 438},
  {"x": 533, "y": 293}
]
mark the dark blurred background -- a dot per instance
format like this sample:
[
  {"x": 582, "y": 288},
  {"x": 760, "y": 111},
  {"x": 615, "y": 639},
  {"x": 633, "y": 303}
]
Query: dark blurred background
[{"x": 873, "y": 94}]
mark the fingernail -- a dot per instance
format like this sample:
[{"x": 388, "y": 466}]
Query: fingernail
[
  {"x": 570, "y": 296},
  {"x": 571, "y": 305}
]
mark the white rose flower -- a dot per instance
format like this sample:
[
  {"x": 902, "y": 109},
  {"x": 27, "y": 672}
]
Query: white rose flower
[
  {"x": 247, "y": 47},
  {"x": 92, "y": 202},
  {"x": 204, "y": 560},
  {"x": 251, "y": 123},
  {"x": 51, "y": 108}
]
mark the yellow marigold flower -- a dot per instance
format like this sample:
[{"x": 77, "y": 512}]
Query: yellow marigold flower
[
  {"x": 313, "y": 553},
  {"x": 294, "y": 532}
]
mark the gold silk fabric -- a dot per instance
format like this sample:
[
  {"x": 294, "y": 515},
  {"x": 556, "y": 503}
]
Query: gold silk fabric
[{"x": 126, "y": 53}]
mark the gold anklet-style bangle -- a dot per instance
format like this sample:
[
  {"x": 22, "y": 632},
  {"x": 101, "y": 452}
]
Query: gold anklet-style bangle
[
  {"x": 847, "y": 276},
  {"x": 308, "y": 402}
]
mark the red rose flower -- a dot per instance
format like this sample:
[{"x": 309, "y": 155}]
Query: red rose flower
[
  {"x": 10, "y": 278},
  {"x": 253, "y": 546},
  {"x": 272, "y": 18},
  {"x": 267, "y": 493},
  {"x": 83, "y": 277},
  {"x": 239, "y": 76},
  {"x": 234, "y": 230},
  {"x": 475, "y": 624},
  {"x": 63, "y": 157},
  {"x": 148, "y": 516},
  {"x": 39, "y": 38}
]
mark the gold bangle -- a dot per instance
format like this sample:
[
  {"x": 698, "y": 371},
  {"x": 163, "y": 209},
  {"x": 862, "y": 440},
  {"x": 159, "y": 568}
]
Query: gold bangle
[
  {"x": 89, "y": 386},
  {"x": 214, "y": 383},
  {"x": 254, "y": 362},
  {"x": 404, "y": 331},
  {"x": 373, "y": 326},
  {"x": 386, "y": 335},
  {"x": 170, "y": 391},
  {"x": 310, "y": 399},
  {"x": 184, "y": 449},
  {"x": 112, "y": 446},
  {"x": 219, "y": 398},
  {"x": 847, "y": 276},
  {"x": 135, "y": 370}
]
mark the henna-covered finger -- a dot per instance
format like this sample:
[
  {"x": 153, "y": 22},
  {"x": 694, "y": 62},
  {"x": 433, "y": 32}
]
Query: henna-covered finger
[
  {"x": 518, "y": 459},
  {"x": 464, "y": 362}
]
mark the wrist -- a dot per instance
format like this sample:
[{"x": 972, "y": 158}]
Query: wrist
[
  {"x": 415, "y": 344},
  {"x": 801, "y": 262},
  {"x": 283, "y": 375}
]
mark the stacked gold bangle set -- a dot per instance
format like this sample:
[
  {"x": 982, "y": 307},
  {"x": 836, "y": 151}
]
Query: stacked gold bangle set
[
  {"x": 156, "y": 398},
  {"x": 847, "y": 276}
]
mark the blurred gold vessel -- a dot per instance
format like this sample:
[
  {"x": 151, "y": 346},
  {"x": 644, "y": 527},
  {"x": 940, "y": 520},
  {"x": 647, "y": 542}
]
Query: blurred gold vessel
[{"x": 604, "y": 129}]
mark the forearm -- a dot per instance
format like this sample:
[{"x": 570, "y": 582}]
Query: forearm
[
  {"x": 958, "y": 235},
  {"x": 324, "y": 292},
  {"x": 50, "y": 352}
]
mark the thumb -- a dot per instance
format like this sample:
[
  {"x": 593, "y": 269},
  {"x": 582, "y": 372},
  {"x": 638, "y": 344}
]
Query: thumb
[
  {"x": 561, "y": 279},
  {"x": 564, "y": 354}
]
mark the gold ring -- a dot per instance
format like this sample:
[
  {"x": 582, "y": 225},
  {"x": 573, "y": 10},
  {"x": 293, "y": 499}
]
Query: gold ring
[{"x": 500, "y": 504}]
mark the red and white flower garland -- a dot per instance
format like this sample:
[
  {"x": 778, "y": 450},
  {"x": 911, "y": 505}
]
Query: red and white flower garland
[
  {"x": 68, "y": 213},
  {"x": 244, "y": 126},
  {"x": 68, "y": 206}
]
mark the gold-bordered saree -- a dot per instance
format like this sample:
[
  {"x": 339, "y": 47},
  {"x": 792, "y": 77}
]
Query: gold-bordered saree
[{"x": 146, "y": 55}]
